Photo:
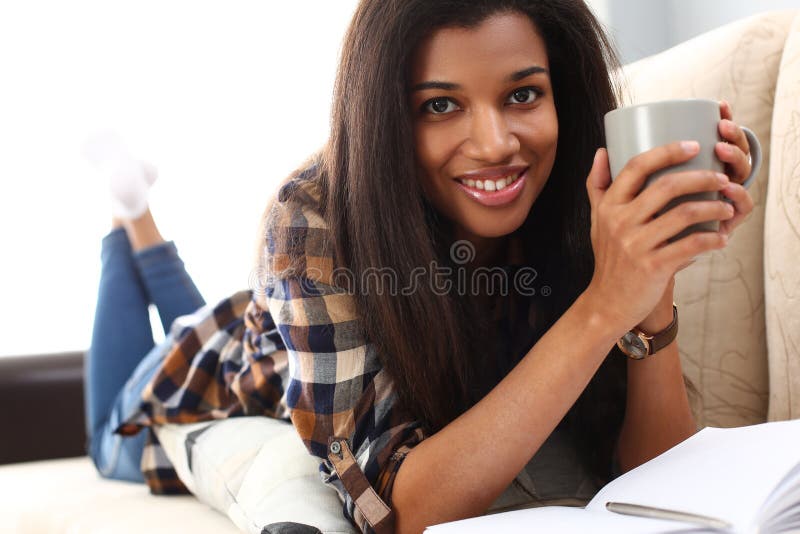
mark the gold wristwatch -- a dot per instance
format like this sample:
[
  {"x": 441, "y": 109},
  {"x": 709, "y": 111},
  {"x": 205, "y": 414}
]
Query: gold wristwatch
[{"x": 638, "y": 345}]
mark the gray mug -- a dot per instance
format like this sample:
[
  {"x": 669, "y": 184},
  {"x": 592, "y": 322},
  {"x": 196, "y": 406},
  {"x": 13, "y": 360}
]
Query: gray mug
[{"x": 635, "y": 129}]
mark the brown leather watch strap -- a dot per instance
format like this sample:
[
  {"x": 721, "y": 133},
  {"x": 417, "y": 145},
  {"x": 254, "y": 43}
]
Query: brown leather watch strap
[{"x": 666, "y": 336}]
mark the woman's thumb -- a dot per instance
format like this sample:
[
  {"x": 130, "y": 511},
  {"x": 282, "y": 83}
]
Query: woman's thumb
[{"x": 599, "y": 178}]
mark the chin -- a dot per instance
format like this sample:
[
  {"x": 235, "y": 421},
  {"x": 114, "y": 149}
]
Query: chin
[{"x": 487, "y": 228}]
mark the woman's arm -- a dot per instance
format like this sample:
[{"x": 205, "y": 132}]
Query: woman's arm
[
  {"x": 657, "y": 413},
  {"x": 463, "y": 468}
]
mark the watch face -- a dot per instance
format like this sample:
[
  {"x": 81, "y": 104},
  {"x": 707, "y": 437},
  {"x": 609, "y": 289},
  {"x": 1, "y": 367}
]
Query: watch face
[{"x": 634, "y": 345}]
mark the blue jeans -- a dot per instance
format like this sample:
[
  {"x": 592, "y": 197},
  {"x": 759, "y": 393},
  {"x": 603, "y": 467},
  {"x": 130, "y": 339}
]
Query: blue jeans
[{"x": 123, "y": 357}]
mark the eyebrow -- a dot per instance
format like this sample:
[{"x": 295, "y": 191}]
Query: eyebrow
[
  {"x": 449, "y": 86},
  {"x": 524, "y": 73}
]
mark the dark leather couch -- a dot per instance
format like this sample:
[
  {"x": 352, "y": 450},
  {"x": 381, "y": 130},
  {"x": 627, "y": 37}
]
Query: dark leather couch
[{"x": 43, "y": 417}]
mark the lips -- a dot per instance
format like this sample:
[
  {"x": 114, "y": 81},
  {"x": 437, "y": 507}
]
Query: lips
[{"x": 494, "y": 187}]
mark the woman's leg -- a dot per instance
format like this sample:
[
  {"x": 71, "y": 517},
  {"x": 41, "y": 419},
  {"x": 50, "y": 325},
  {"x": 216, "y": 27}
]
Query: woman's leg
[
  {"x": 165, "y": 283},
  {"x": 121, "y": 334},
  {"x": 122, "y": 359},
  {"x": 139, "y": 268},
  {"x": 162, "y": 271}
]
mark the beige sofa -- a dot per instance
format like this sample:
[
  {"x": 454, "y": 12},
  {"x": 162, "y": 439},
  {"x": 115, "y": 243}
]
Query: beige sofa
[
  {"x": 739, "y": 333},
  {"x": 740, "y": 308}
]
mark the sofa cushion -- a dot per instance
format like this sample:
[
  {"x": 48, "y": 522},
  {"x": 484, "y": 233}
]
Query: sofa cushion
[
  {"x": 68, "y": 496},
  {"x": 722, "y": 337},
  {"x": 256, "y": 470},
  {"x": 782, "y": 239}
]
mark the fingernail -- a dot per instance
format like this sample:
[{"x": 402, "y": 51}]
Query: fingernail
[
  {"x": 723, "y": 178},
  {"x": 690, "y": 147}
]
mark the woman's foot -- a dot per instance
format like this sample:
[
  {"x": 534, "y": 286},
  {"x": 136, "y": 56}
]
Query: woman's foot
[
  {"x": 129, "y": 182},
  {"x": 129, "y": 179}
]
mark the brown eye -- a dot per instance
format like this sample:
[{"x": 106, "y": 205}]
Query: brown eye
[
  {"x": 525, "y": 95},
  {"x": 437, "y": 106}
]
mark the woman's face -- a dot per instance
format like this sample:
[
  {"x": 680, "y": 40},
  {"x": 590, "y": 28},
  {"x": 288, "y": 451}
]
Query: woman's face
[{"x": 485, "y": 125}]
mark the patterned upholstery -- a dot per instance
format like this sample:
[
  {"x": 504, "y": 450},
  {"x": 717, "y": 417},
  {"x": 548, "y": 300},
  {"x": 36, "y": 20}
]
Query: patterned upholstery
[
  {"x": 724, "y": 330},
  {"x": 782, "y": 239}
]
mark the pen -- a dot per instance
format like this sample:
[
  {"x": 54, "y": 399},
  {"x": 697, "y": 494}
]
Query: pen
[{"x": 661, "y": 513}]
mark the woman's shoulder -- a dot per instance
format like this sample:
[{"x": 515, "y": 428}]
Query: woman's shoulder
[
  {"x": 297, "y": 203},
  {"x": 296, "y": 238}
]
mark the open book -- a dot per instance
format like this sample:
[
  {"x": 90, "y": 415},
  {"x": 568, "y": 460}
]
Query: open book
[{"x": 748, "y": 477}]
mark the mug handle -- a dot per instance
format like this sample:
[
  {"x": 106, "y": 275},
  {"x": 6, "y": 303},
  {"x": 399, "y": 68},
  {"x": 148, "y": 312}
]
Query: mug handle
[{"x": 755, "y": 156}]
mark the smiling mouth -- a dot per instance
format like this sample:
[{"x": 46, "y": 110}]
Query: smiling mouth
[
  {"x": 496, "y": 187},
  {"x": 490, "y": 184}
]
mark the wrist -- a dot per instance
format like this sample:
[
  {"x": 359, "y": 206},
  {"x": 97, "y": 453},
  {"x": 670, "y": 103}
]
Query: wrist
[
  {"x": 661, "y": 316},
  {"x": 597, "y": 318}
]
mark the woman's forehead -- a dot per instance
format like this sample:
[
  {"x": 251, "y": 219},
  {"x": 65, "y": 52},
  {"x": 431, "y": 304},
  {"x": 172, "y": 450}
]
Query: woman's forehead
[{"x": 506, "y": 41}]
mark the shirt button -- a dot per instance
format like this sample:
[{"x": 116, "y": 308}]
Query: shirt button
[{"x": 336, "y": 448}]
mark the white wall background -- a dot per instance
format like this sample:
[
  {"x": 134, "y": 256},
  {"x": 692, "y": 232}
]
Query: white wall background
[{"x": 225, "y": 98}]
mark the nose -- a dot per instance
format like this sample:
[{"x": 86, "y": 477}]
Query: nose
[{"x": 490, "y": 138}]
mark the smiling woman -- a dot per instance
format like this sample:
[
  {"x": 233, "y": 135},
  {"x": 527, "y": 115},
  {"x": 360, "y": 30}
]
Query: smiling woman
[{"x": 457, "y": 125}]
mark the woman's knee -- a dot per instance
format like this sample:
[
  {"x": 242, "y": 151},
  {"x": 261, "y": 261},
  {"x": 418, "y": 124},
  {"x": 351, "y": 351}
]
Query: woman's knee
[{"x": 117, "y": 457}]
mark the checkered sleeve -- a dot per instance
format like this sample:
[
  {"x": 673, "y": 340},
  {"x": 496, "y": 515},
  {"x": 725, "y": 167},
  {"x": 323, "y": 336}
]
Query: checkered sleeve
[{"x": 340, "y": 399}]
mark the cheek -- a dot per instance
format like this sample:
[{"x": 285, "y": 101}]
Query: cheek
[
  {"x": 541, "y": 136},
  {"x": 434, "y": 145}
]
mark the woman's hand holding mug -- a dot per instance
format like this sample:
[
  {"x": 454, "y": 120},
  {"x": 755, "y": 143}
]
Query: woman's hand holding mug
[
  {"x": 734, "y": 151},
  {"x": 667, "y": 204}
]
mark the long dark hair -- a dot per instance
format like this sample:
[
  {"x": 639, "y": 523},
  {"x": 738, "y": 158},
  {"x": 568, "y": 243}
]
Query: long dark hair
[{"x": 435, "y": 347}]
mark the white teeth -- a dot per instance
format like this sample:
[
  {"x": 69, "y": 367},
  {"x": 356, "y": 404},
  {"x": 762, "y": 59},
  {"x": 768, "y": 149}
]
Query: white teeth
[{"x": 491, "y": 185}]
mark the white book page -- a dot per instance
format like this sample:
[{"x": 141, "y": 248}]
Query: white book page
[
  {"x": 723, "y": 473},
  {"x": 561, "y": 519},
  {"x": 785, "y": 501}
]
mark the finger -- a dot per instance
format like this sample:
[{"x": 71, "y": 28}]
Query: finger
[
  {"x": 669, "y": 186},
  {"x": 743, "y": 206},
  {"x": 725, "y": 110},
  {"x": 677, "y": 219},
  {"x": 599, "y": 178},
  {"x": 738, "y": 162},
  {"x": 633, "y": 176},
  {"x": 733, "y": 133},
  {"x": 685, "y": 265},
  {"x": 673, "y": 255}
]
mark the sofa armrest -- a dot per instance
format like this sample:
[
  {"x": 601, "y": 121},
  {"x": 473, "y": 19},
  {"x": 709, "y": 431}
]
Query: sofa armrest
[
  {"x": 43, "y": 407},
  {"x": 782, "y": 238}
]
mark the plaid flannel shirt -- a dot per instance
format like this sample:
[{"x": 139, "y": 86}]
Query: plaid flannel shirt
[{"x": 295, "y": 352}]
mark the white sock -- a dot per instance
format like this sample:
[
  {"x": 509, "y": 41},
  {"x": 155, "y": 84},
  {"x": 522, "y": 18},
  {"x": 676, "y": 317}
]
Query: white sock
[{"x": 129, "y": 179}]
